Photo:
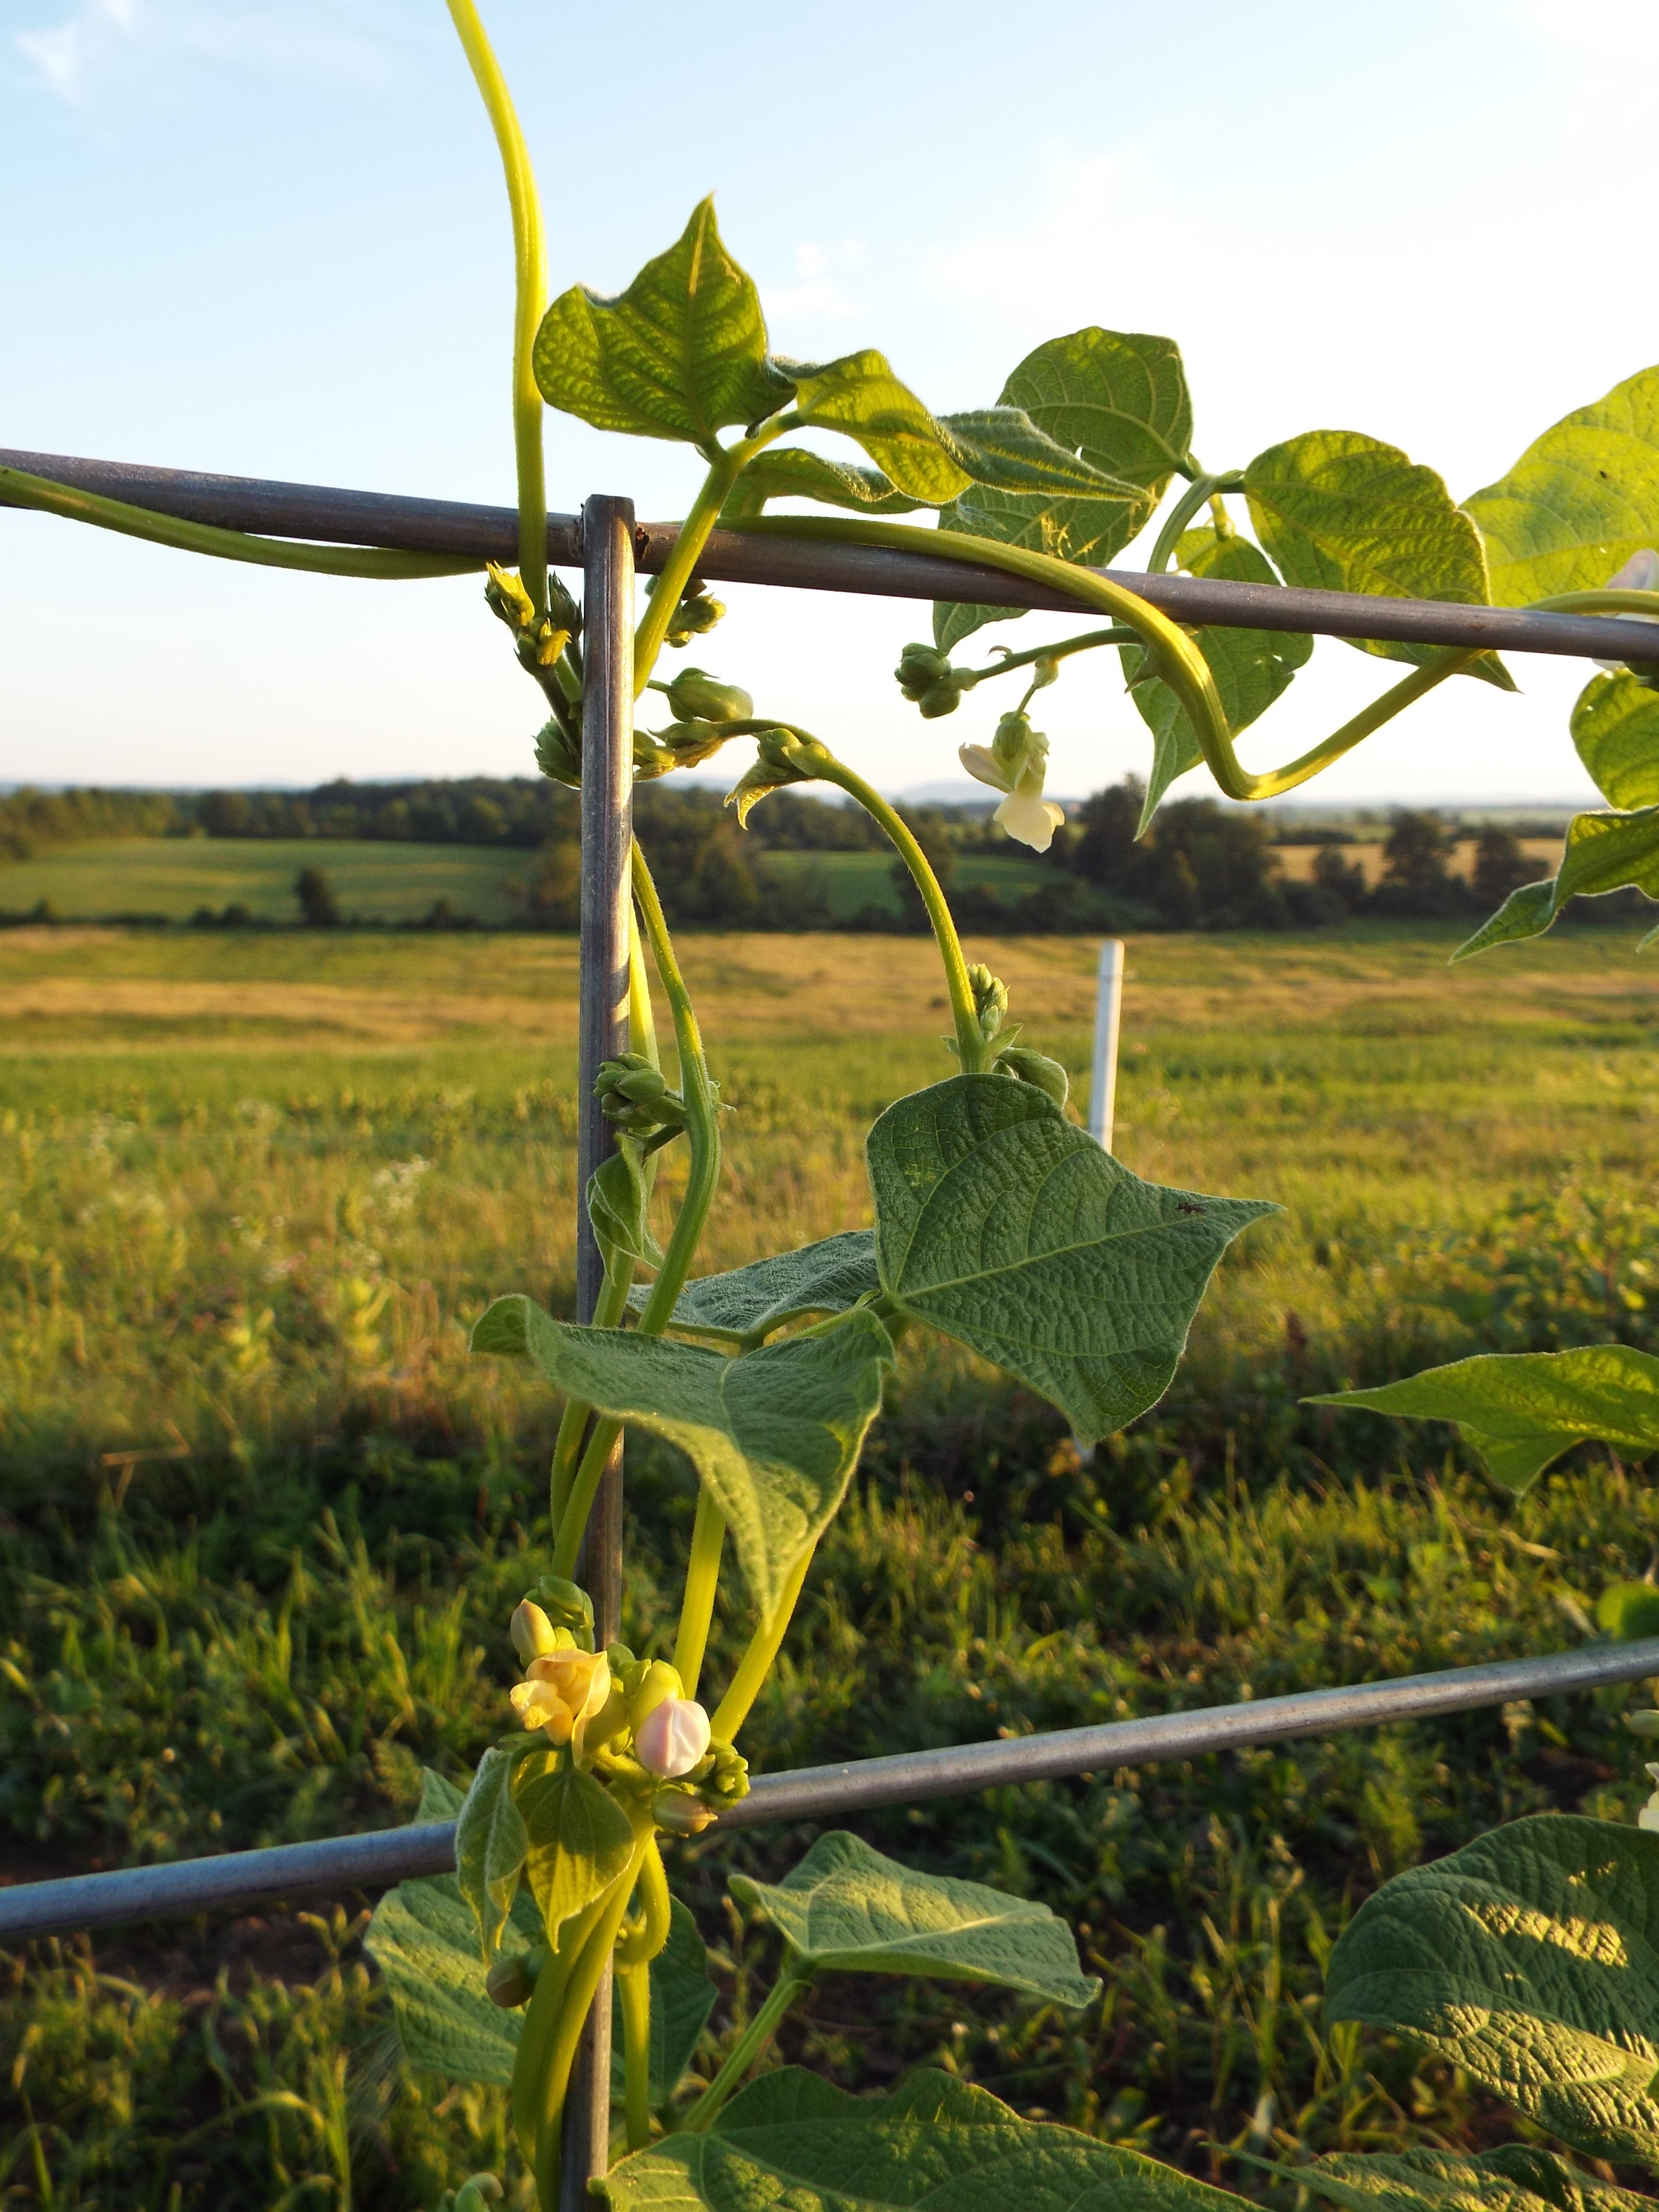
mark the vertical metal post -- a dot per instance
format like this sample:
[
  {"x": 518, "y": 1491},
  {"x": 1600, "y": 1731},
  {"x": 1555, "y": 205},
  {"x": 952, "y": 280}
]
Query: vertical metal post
[
  {"x": 1108, "y": 1003},
  {"x": 607, "y": 841}
]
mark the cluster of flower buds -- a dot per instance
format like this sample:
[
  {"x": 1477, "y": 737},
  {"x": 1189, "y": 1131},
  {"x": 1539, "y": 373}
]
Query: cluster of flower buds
[
  {"x": 782, "y": 756},
  {"x": 559, "y": 752},
  {"x": 927, "y": 679},
  {"x": 565, "y": 1688},
  {"x": 539, "y": 639},
  {"x": 695, "y": 615},
  {"x": 633, "y": 1095},
  {"x": 990, "y": 1001},
  {"x": 1015, "y": 762},
  {"x": 704, "y": 708}
]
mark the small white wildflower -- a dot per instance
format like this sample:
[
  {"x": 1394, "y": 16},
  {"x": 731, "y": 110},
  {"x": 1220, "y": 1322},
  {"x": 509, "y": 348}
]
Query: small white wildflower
[{"x": 1015, "y": 762}]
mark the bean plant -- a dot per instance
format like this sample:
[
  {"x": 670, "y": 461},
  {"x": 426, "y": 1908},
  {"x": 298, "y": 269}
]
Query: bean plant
[{"x": 1528, "y": 1959}]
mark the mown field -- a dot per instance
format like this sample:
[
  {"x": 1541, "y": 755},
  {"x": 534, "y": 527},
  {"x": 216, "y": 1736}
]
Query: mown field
[{"x": 265, "y": 1518}]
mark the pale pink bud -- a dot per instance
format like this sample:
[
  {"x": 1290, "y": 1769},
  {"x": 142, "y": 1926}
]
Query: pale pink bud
[{"x": 673, "y": 1737}]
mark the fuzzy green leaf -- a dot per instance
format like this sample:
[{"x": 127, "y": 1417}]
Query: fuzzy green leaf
[
  {"x": 1002, "y": 1224},
  {"x": 860, "y": 396},
  {"x": 790, "y": 2139},
  {"x": 791, "y": 473},
  {"x": 1118, "y": 400},
  {"x": 1528, "y": 1959},
  {"x": 580, "y": 1841},
  {"x": 680, "y": 353},
  {"x": 619, "y": 1207},
  {"x": 1251, "y": 668},
  {"x": 490, "y": 1847},
  {"x": 1341, "y": 512},
  {"x": 682, "y": 1998},
  {"x": 775, "y": 1434},
  {"x": 1520, "y": 1410},
  {"x": 750, "y": 1302},
  {"x": 1518, "y": 2177},
  {"x": 846, "y": 1909},
  {"x": 1579, "y": 502},
  {"x": 1615, "y": 728},
  {"x": 424, "y": 1939}
]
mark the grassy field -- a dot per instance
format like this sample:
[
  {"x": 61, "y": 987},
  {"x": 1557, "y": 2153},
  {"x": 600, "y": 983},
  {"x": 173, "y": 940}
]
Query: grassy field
[
  {"x": 174, "y": 876},
  {"x": 265, "y": 1517}
]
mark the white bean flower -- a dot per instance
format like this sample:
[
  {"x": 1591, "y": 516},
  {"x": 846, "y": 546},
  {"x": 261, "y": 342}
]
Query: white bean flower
[
  {"x": 1639, "y": 574},
  {"x": 1015, "y": 762},
  {"x": 673, "y": 1737}
]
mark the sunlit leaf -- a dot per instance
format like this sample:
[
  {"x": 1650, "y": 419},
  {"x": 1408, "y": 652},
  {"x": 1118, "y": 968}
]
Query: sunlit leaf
[
  {"x": 1005, "y": 1226},
  {"x": 1528, "y": 1960},
  {"x": 846, "y": 1909},
  {"x": 823, "y": 1278},
  {"x": 775, "y": 1434},
  {"x": 490, "y": 1847},
  {"x": 1341, "y": 512},
  {"x": 1516, "y": 2178},
  {"x": 936, "y": 2144},
  {"x": 791, "y": 473},
  {"x": 1579, "y": 502},
  {"x": 680, "y": 353},
  {"x": 1603, "y": 852},
  {"x": 1615, "y": 728},
  {"x": 579, "y": 1837},
  {"x": 860, "y": 396}
]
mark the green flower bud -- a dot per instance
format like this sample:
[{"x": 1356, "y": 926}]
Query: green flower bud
[
  {"x": 782, "y": 756},
  {"x": 681, "y": 1812},
  {"x": 939, "y": 699},
  {"x": 633, "y": 1095},
  {"x": 919, "y": 669},
  {"x": 1645, "y": 1724},
  {"x": 558, "y": 755},
  {"x": 511, "y": 1982},
  {"x": 683, "y": 745},
  {"x": 695, "y": 615},
  {"x": 697, "y": 697},
  {"x": 990, "y": 1001},
  {"x": 1035, "y": 1068},
  {"x": 657, "y": 1681},
  {"x": 566, "y": 1605},
  {"x": 728, "y": 1780}
]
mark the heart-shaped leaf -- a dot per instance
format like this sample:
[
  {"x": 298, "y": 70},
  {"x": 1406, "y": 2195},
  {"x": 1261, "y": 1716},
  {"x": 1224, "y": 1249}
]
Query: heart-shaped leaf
[
  {"x": 1518, "y": 2177},
  {"x": 791, "y": 473},
  {"x": 845, "y": 1909},
  {"x": 1002, "y": 1224},
  {"x": 1341, "y": 511},
  {"x": 1528, "y": 1959},
  {"x": 1579, "y": 502},
  {"x": 860, "y": 396},
  {"x": 1251, "y": 668},
  {"x": 775, "y": 1434},
  {"x": 1520, "y": 1410},
  {"x": 680, "y": 353},
  {"x": 1118, "y": 400},
  {"x": 1603, "y": 852},
  {"x": 792, "y": 2139},
  {"x": 682, "y": 1998},
  {"x": 424, "y": 1939},
  {"x": 1615, "y": 728},
  {"x": 491, "y": 1846},
  {"x": 579, "y": 1841},
  {"x": 748, "y": 1303}
]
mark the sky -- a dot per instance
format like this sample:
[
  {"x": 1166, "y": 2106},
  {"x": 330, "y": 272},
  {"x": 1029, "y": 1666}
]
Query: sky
[{"x": 270, "y": 237}]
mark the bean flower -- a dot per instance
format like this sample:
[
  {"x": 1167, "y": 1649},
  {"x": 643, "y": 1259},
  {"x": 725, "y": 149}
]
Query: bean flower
[
  {"x": 671, "y": 1738},
  {"x": 561, "y": 1692},
  {"x": 1015, "y": 762}
]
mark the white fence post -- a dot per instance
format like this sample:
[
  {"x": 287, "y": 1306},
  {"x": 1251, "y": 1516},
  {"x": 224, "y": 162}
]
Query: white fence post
[{"x": 1109, "y": 1006}]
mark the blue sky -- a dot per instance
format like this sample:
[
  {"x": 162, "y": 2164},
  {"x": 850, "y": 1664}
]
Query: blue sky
[{"x": 272, "y": 239}]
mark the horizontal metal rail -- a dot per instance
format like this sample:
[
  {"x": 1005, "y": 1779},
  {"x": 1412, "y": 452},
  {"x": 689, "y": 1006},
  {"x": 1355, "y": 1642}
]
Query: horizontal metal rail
[
  {"x": 821, "y": 1793},
  {"x": 316, "y": 512}
]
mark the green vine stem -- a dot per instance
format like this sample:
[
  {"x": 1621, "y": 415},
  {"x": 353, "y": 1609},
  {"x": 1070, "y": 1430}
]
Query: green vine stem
[
  {"x": 702, "y": 1573},
  {"x": 633, "y": 2002},
  {"x": 530, "y": 297},
  {"x": 794, "y": 1981},
  {"x": 377, "y": 561},
  {"x": 540, "y": 2022},
  {"x": 727, "y": 464},
  {"x": 1201, "y": 490},
  {"x": 1085, "y": 641},
  {"x": 757, "y": 1661}
]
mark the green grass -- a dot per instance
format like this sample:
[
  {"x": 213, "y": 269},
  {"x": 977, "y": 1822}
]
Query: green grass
[
  {"x": 265, "y": 1518},
  {"x": 174, "y": 876},
  {"x": 853, "y": 881}
]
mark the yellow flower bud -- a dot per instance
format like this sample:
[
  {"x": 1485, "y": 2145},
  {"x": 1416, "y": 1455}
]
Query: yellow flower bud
[
  {"x": 534, "y": 1633},
  {"x": 563, "y": 1691},
  {"x": 658, "y": 1681}
]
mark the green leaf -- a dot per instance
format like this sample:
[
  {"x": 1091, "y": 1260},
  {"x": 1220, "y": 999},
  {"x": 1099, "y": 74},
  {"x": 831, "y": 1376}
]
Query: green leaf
[
  {"x": 619, "y": 1207},
  {"x": 1518, "y": 2177},
  {"x": 845, "y": 1909},
  {"x": 1603, "y": 852},
  {"x": 1527, "y": 1958},
  {"x": 1629, "y": 1612},
  {"x": 682, "y": 1998},
  {"x": 424, "y": 1939},
  {"x": 1615, "y": 727},
  {"x": 1002, "y": 1224},
  {"x": 490, "y": 1847},
  {"x": 1002, "y": 447},
  {"x": 1340, "y": 511},
  {"x": 680, "y": 353},
  {"x": 775, "y": 1434},
  {"x": 1251, "y": 668},
  {"x": 1528, "y": 912},
  {"x": 860, "y": 396},
  {"x": 580, "y": 1841},
  {"x": 1520, "y": 1410},
  {"x": 1579, "y": 502},
  {"x": 790, "y": 2139},
  {"x": 750, "y": 1303},
  {"x": 1119, "y": 401},
  {"x": 791, "y": 473}
]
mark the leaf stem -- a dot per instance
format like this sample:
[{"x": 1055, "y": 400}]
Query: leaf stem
[
  {"x": 1114, "y": 634},
  {"x": 530, "y": 297},
  {"x": 376, "y": 561},
  {"x": 792, "y": 1982},
  {"x": 702, "y": 1574},
  {"x": 1202, "y": 489},
  {"x": 757, "y": 1661},
  {"x": 634, "y": 1993}
]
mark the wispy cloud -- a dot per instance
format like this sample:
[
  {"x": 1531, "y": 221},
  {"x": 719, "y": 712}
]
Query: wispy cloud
[
  {"x": 817, "y": 294},
  {"x": 101, "y": 40}
]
